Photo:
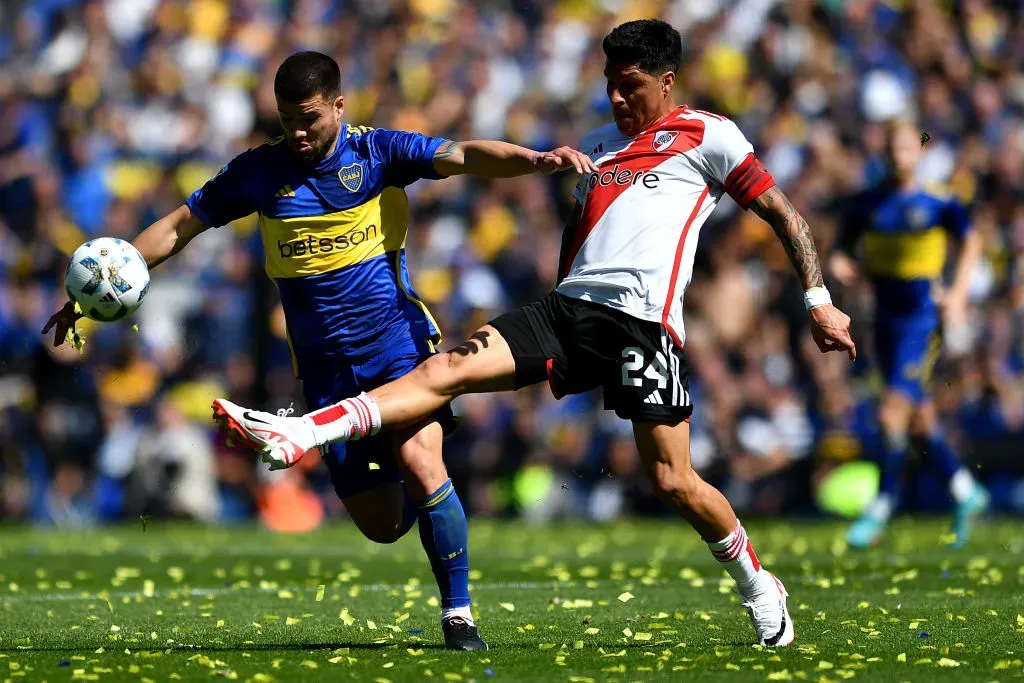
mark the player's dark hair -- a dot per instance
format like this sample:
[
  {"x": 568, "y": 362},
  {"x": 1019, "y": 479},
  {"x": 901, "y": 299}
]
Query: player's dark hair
[
  {"x": 653, "y": 45},
  {"x": 304, "y": 75}
]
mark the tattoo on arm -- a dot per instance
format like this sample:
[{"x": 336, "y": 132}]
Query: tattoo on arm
[
  {"x": 446, "y": 150},
  {"x": 775, "y": 209}
]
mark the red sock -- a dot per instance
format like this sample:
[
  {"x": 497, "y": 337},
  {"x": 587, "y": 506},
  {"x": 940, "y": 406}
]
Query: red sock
[
  {"x": 736, "y": 554},
  {"x": 348, "y": 420}
]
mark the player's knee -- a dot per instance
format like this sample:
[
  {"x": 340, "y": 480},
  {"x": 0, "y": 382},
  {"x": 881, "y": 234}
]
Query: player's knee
[
  {"x": 894, "y": 416},
  {"x": 383, "y": 531},
  {"x": 443, "y": 373}
]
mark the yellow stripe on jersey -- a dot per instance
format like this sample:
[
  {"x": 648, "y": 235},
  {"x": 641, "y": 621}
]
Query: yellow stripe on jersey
[
  {"x": 418, "y": 302},
  {"x": 906, "y": 256},
  {"x": 313, "y": 245}
]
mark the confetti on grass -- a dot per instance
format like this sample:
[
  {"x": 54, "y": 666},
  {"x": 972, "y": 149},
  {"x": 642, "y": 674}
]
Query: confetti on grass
[{"x": 626, "y": 597}]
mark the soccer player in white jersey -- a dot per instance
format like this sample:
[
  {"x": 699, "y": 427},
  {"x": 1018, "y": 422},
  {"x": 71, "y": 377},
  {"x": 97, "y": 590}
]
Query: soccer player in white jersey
[{"x": 615, "y": 319}]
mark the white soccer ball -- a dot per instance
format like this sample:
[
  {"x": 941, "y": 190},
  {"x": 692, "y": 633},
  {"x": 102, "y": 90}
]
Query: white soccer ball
[{"x": 108, "y": 278}]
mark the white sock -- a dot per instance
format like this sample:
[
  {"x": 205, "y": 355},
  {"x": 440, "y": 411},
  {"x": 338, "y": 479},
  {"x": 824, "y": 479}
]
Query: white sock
[
  {"x": 961, "y": 486},
  {"x": 348, "y": 420},
  {"x": 880, "y": 508},
  {"x": 736, "y": 554},
  {"x": 464, "y": 612}
]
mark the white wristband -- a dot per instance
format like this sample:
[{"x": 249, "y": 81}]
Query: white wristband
[{"x": 816, "y": 296}]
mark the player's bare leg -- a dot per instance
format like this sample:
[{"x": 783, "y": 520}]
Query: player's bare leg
[
  {"x": 380, "y": 513},
  {"x": 483, "y": 363},
  {"x": 665, "y": 452}
]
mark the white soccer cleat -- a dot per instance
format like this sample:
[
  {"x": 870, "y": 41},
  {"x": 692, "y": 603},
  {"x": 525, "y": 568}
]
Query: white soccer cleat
[
  {"x": 280, "y": 440},
  {"x": 770, "y": 615}
]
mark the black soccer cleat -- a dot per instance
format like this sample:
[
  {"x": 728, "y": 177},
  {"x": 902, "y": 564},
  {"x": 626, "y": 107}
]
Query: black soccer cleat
[{"x": 459, "y": 634}]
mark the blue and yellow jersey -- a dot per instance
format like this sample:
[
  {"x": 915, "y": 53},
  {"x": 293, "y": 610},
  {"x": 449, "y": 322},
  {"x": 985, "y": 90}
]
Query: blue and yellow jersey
[
  {"x": 334, "y": 236},
  {"x": 904, "y": 236}
]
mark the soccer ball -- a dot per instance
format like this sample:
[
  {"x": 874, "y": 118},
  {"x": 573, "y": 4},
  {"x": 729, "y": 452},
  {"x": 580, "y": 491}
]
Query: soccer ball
[{"x": 107, "y": 278}]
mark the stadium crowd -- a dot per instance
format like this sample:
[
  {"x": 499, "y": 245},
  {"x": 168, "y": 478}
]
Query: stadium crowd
[{"x": 113, "y": 111}]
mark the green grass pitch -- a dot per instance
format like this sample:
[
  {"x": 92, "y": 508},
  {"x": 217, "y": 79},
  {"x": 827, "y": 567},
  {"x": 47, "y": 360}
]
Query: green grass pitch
[{"x": 631, "y": 602}]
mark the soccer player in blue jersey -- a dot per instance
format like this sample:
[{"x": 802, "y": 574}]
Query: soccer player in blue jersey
[
  {"x": 903, "y": 231},
  {"x": 333, "y": 216}
]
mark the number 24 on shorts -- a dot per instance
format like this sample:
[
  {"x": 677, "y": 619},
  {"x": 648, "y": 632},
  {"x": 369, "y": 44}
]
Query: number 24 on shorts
[{"x": 633, "y": 362}]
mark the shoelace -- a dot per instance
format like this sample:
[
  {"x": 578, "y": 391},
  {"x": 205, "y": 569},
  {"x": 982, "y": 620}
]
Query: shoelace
[{"x": 285, "y": 412}]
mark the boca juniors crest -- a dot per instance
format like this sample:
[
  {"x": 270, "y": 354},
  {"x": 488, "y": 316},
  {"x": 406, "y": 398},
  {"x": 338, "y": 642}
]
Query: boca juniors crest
[{"x": 351, "y": 177}]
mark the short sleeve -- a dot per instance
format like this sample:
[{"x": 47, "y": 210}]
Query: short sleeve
[
  {"x": 729, "y": 159},
  {"x": 957, "y": 219},
  {"x": 408, "y": 157},
  {"x": 229, "y": 195}
]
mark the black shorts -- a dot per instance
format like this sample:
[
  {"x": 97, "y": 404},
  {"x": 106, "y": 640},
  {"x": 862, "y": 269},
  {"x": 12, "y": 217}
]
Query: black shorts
[{"x": 577, "y": 346}]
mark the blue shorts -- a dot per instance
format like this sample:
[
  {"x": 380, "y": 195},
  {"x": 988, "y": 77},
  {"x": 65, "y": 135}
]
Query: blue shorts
[
  {"x": 359, "y": 466},
  {"x": 908, "y": 346}
]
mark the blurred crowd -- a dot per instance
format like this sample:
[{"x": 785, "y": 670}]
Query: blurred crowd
[{"x": 114, "y": 111}]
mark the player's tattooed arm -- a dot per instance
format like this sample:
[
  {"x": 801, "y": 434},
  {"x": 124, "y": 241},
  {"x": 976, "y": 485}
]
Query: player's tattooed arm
[{"x": 775, "y": 209}]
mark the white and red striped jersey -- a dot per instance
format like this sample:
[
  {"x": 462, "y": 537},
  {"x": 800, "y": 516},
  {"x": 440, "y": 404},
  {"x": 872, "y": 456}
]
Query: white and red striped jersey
[{"x": 634, "y": 246}]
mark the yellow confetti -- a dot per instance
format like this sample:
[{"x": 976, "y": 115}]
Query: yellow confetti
[
  {"x": 291, "y": 621},
  {"x": 509, "y": 606},
  {"x": 642, "y": 636},
  {"x": 948, "y": 663},
  {"x": 578, "y": 645},
  {"x": 626, "y": 597},
  {"x": 371, "y": 625},
  {"x": 825, "y": 665},
  {"x": 592, "y": 631},
  {"x": 148, "y": 588},
  {"x": 320, "y": 591},
  {"x": 285, "y": 594},
  {"x": 346, "y": 617},
  {"x": 901, "y": 657},
  {"x": 309, "y": 664}
]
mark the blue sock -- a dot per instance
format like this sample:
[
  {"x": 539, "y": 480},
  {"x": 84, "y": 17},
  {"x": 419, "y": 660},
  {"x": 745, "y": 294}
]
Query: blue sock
[
  {"x": 938, "y": 452},
  {"x": 445, "y": 536},
  {"x": 894, "y": 455}
]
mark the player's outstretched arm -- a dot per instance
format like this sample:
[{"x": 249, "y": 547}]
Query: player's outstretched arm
[
  {"x": 169, "y": 235},
  {"x": 496, "y": 159},
  {"x": 157, "y": 243},
  {"x": 830, "y": 327}
]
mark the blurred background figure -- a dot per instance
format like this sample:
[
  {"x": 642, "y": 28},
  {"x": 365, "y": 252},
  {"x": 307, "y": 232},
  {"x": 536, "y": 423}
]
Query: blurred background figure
[{"x": 113, "y": 111}]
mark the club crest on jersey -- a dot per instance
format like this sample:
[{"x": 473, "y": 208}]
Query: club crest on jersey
[
  {"x": 351, "y": 177},
  {"x": 664, "y": 140},
  {"x": 918, "y": 217}
]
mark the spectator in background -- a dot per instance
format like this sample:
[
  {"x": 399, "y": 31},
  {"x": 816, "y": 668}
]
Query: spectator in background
[{"x": 113, "y": 111}]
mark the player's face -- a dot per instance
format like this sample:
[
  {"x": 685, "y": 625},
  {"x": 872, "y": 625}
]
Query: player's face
[
  {"x": 638, "y": 98},
  {"x": 311, "y": 126},
  {"x": 904, "y": 151}
]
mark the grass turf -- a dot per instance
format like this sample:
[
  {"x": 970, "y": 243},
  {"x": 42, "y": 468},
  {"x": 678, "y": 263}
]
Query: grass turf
[{"x": 629, "y": 602}]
